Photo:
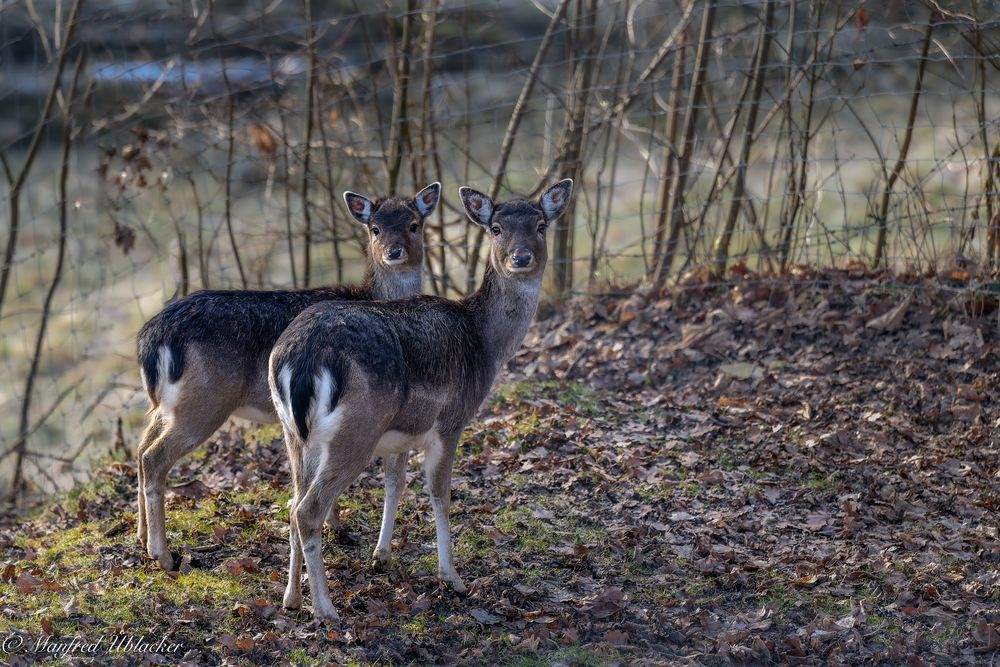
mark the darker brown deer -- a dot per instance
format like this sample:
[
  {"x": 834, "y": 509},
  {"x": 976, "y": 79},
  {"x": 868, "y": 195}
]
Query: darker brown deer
[
  {"x": 351, "y": 381},
  {"x": 204, "y": 357}
]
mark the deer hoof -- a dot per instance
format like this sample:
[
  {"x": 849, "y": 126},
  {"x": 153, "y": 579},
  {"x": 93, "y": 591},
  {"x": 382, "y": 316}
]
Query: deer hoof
[
  {"x": 325, "y": 612},
  {"x": 292, "y": 599},
  {"x": 166, "y": 561},
  {"x": 453, "y": 581},
  {"x": 381, "y": 560}
]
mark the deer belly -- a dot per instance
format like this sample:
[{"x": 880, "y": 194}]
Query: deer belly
[
  {"x": 397, "y": 442},
  {"x": 255, "y": 414}
]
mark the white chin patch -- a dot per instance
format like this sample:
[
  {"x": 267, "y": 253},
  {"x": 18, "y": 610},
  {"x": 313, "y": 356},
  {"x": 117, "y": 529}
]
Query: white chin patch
[
  {"x": 521, "y": 269},
  {"x": 395, "y": 262}
]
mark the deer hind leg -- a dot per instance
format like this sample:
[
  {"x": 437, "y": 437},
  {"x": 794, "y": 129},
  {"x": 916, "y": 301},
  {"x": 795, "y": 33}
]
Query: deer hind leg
[
  {"x": 188, "y": 422},
  {"x": 333, "y": 457},
  {"x": 293, "y": 590},
  {"x": 177, "y": 440},
  {"x": 309, "y": 513},
  {"x": 153, "y": 431},
  {"x": 437, "y": 464},
  {"x": 306, "y": 519},
  {"x": 191, "y": 409},
  {"x": 395, "y": 485},
  {"x": 333, "y": 518}
]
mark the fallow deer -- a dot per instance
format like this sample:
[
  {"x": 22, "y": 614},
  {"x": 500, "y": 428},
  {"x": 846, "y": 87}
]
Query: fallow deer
[
  {"x": 351, "y": 381},
  {"x": 204, "y": 356}
]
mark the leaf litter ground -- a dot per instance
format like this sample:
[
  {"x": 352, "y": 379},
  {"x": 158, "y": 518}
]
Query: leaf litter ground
[{"x": 766, "y": 474}]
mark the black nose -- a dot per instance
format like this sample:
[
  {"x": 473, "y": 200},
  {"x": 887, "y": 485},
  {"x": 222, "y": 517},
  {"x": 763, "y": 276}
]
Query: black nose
[
  {"x": 394, "y": 252},
  {"x": 521, "y": 258}
]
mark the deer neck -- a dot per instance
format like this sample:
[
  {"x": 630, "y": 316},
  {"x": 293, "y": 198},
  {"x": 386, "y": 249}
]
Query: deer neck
[
  {"x": 387, "y": 284},
  {"x": 502, "y": 310}
]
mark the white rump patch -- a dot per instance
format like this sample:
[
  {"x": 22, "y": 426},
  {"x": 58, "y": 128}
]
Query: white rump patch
[
  {"x": 169, "y": 392},
  {"x": 323, "y": 422},
  {"x": 283, "y": 407},
  {"x": 324, "y": 426}
]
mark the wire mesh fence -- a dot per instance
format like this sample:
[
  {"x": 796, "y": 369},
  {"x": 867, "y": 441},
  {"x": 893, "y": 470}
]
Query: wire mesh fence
[{"x": 154, "y": 148}]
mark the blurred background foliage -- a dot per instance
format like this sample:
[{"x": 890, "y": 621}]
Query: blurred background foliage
[{"x": 152, "y": 148}]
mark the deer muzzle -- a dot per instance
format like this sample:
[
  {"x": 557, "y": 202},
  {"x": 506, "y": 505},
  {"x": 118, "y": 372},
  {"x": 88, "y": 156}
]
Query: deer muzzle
[
  {"x": 521, "y": 259},
  {"x": 395, "y": 254}
]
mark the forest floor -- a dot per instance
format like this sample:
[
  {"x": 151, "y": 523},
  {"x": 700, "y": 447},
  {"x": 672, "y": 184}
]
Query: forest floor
[{"x": 771, "y": 473}]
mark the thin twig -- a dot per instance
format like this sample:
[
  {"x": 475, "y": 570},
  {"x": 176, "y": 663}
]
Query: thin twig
[
  {"x": 398, "y": 123},
  {"x": 31, "y": 153},
  {"x": 721, "y": 246},
  {"x": 310, "y": 102},
  {"x": 881, "y": 217},
  {"x": 18, "y": 483},
  {"x": 511, "y": 133},
  {"x": 231, "y": 138},
  {"x": 684, "y": 158}
]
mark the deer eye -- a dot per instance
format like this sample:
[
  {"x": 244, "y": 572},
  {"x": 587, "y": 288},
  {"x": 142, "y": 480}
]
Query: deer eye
[
  {"x": 542, "y": 228},
  {"x": 376, "y": 231},
  {"x": 495, "y": 229},
  {"x": 413, "y": 228}
]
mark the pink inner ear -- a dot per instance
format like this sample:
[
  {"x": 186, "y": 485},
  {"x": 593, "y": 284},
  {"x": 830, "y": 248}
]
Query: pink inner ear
[
  {"x": 358, "y": 206},
  {"x": 557, "y": 196},
  {"x": 476, "y": 202},
  {"x": 428, "y": 197}
]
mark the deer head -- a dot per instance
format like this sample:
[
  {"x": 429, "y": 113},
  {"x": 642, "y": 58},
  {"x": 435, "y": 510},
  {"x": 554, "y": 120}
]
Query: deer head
[
  {"x": 395, "y": 226},
  {"x": 517, "y": 228}
]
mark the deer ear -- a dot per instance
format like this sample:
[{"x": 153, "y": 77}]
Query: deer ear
[
  {"x": 555, "y": 200},
  {"x": 427, "y": 199},
  {"x": 361, "y": 208},
  {"x": 478, "y": 206}
]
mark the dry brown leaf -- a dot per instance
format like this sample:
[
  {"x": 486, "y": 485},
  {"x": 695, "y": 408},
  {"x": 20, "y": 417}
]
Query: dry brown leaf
[
  {"x": 27, "y": 583},
  {"x": 987, "y": 637},
  {"x": 245, "y": 644},
  {"x": 263, "y": 140},
  {"x": 892, "y": 320}
]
